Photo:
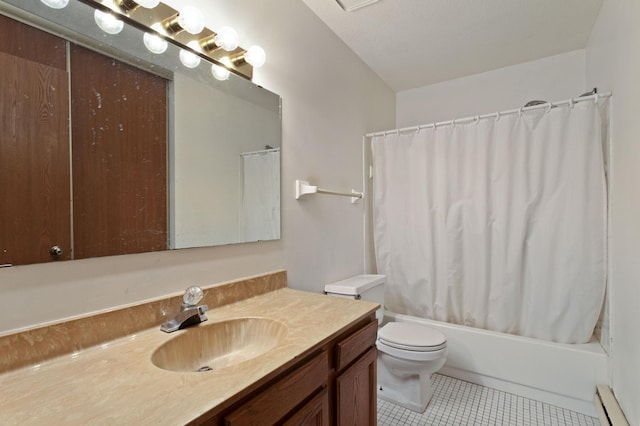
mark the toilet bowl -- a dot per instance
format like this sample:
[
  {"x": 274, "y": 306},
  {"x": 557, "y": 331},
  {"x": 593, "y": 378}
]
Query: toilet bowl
[{"x": 408, "y": 354}]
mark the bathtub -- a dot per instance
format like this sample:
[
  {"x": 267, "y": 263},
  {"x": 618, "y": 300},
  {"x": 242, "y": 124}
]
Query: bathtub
[{"x": 555, "y": 373}]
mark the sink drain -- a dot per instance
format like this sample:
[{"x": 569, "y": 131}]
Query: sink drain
[{"x": 204, "y": 368}]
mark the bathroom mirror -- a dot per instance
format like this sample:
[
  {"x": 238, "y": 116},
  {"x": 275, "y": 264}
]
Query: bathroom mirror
[{"x": 223, "y": 137}]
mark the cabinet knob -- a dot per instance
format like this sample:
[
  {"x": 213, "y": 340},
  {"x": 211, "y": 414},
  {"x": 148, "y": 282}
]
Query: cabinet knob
[{"x": 56, "y": 251}]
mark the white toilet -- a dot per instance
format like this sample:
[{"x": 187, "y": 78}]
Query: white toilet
[{"x": 408, "y": 354}]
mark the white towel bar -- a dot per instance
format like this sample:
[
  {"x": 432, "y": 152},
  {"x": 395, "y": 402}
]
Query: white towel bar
[{"x": 304, "y": 188}]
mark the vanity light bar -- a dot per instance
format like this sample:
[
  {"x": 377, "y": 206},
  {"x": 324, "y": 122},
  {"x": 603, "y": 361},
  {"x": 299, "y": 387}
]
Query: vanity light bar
[
  {"x": 128, "y": 5},
  {"x": 147, "y": 19}
]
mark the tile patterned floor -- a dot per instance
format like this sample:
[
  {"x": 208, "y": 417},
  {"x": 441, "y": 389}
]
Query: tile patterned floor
[{"x": 457, "y": 403}]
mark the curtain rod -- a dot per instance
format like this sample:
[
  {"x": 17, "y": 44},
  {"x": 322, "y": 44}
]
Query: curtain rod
[
  {"x": 495, "y": 115},
  {"x": 262, "y": 151}
]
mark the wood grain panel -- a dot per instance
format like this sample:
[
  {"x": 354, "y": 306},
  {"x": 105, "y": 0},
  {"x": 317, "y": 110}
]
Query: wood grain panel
[
  {"x": 275, "y": 402},
  {"x": 34, "y": 160},
  {"x": 352, "y": 347},
  {"x": 18, "y": 39},
  {"x": 356, "y": 392},
  {"x": 119, "y": 157},
  {"x": 313, "y": 413}
]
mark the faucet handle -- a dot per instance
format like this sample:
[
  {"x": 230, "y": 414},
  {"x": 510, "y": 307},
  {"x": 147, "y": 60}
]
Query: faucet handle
[{"x": 192, "y": 296}]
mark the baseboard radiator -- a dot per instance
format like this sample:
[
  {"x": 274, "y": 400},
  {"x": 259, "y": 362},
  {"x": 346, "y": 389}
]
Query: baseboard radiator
[{"x": 608, "y": 409}]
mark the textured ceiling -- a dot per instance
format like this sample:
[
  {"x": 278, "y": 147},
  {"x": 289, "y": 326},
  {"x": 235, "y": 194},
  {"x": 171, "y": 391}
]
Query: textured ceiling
[{"x": 412, "y": 43}]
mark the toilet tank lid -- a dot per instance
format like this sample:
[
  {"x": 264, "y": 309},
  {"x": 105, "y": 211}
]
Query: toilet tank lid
[{"x": 355, "y": 285}]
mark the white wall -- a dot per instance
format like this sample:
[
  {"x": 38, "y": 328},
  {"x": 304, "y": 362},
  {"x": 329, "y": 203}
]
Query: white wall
[
  {"x": 548, "y": 79},
  {"x": 613, "y": 61},
  {"x": 330, "y": 99}
]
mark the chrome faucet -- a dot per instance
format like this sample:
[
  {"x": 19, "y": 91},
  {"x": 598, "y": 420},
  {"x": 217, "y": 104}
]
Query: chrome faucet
[{"x": 190, "y": 313}]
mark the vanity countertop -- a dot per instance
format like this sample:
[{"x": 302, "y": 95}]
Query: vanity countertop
[{"x": 116, "y": 383}]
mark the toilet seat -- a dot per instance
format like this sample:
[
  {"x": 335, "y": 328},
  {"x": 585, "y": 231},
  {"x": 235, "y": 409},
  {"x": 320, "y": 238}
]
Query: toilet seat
[
  {"x": 411, "y": 337},
  {"x": 406, "y": 355}
]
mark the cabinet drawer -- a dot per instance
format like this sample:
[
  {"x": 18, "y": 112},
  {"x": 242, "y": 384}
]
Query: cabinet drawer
[
  {"x": 315, "y": 412},
  {"x": 353, "y": 346},
  {"x": 269, "y": 406}
]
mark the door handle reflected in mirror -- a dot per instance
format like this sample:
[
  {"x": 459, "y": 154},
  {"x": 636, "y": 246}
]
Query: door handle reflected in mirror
[{"x": 56, "y": 251}]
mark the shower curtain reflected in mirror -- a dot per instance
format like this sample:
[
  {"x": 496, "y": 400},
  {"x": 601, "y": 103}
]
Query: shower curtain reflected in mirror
[
  {"x": 260, "y": 210},
  {"x": 498, "y": 224}
]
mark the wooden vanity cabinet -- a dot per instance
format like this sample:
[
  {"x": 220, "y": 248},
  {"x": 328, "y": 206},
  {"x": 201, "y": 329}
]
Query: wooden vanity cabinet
[
  {"x": 315, "y": 412},
  {"x": 334, "y": 384},
  {"x": 283, "y": 396},
  {"x": 356, "y": 392}
]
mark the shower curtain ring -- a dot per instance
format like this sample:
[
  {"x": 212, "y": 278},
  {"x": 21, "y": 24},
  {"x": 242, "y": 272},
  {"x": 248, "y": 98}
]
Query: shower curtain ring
[
  {"x": 571, "y": 103},
  {"x": 520, "y": 112},
  {"x": 476, "y": 119},
  {"x": 497, "y": 116},
  {"x": 596, "y": 97},
  {"x": 549, "y": 106}
]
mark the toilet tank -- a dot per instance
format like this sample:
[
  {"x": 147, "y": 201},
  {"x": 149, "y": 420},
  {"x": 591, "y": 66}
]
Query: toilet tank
[{"x": 365, "y": 287}]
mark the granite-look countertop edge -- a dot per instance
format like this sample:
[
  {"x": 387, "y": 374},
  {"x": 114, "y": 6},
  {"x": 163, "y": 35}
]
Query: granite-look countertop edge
[{"x": 116, "y": 383}]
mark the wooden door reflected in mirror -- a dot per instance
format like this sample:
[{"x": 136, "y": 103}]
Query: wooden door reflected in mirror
[{"x": 115, "y": 132}]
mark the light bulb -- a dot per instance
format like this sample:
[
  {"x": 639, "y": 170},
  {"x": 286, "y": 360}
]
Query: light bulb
[
  {"x": 149, "y": 4},
  {"x": 255, "y": 56},
  {"x": 108, "y": 22},
  {"x": 191, "y": 20},
  {"x": 56, "y": 4},
  {"x": 190, "y": 59},
  {"x": 227, "y": 38},
  {"x": 220, "y": 73},
  {"x": 155, "y": 43}
]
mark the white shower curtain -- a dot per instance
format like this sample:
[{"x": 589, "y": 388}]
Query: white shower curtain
[
  {"x": 498, "y": 224},
  {"x": 260, "y": 210}
]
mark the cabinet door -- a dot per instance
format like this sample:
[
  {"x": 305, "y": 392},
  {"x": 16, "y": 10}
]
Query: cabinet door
[
  {"x": 356, "y": 392},
  {"x": 314, "y": 412},
  {"x": 34, "y": 145}
]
